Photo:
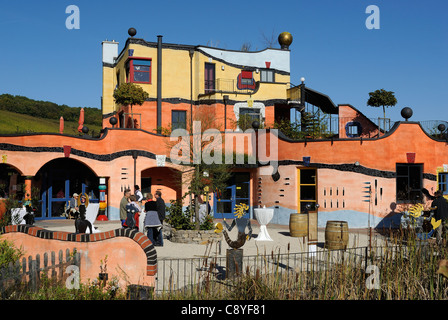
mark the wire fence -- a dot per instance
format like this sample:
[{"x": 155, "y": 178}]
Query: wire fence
[{"x": 187, "y": 273}]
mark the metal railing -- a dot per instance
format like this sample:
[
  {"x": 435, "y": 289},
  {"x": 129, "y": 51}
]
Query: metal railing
[
  {"x": 223, "y": 85},
  {"x": 180, "y": 275}
]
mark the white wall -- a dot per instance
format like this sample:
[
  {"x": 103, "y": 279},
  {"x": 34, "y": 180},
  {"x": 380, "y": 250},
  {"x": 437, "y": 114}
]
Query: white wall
[{"x": 280, "y": 59}]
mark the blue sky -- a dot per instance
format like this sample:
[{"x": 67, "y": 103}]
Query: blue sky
[{"x": 332, "y": 48}]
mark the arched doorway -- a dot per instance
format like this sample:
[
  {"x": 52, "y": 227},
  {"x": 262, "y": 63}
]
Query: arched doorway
[
  {"x": 60, "y": 178},
  {"x": 11, "y": 182},
  {"x": 167, "y": 180}
]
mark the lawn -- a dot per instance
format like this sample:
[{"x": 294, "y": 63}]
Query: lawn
[{"x": 12, "y": 123}]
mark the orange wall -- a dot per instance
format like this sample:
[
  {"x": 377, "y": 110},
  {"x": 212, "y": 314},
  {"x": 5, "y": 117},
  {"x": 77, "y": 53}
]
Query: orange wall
[
  {"x": 348, "y": 114},
  {"x": 125, "y": 255},
  {"x": 215, "y": 111},
  {"x": 380, "y": 154}
]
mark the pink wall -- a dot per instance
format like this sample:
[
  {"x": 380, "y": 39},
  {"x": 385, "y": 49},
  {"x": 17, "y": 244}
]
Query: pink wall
[{"x": 125, "y": 250}]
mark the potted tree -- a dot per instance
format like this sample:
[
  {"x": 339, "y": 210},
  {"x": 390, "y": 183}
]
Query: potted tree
[{"x": 129, "y": 94}]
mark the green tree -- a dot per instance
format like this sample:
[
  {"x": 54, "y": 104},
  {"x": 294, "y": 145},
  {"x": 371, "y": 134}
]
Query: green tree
[
  {"x": 130, "y": 94},
  {"x": 382, "y": 98},
  {"x": 201, "y": 177}
]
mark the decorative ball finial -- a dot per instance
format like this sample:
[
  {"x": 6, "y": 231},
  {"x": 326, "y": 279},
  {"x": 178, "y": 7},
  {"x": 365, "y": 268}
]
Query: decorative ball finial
[
  {"x": 132, "y": 32},
  {"x": 85, "y": 130},
  {"x": 441, "y": 127},
  {"x": 406, "y": 113},
  {"x": 256, "y": 124},
  {"x": 285, "y": 40},
  {"x": 113, "y": 121}
]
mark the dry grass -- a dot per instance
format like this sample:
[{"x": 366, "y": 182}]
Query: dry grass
[{"x": 405, "y": 269}]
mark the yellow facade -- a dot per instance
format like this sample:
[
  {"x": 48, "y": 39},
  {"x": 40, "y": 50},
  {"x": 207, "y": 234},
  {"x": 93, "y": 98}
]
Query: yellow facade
[{"x": 183, "y": 77}]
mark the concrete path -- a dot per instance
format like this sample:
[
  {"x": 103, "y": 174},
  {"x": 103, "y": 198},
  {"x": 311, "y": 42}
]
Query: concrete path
[{"x": 279, "y": 234}]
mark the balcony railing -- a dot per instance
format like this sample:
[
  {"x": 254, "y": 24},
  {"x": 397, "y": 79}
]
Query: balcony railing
[
  {"x": 224, "y": 86},
  {"x": 332, "y": 125}
]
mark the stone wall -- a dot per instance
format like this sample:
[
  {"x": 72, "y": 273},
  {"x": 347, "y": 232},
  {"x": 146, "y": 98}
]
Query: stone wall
[{"x": 194, "y": 236}]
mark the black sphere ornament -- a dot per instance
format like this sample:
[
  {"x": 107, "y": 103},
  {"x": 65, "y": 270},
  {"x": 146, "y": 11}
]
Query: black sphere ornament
[
  {"x": 256, "y": 125},
  {"x": 406, "y": 113},
  {"x": 132, "y": 32},
  {"x": 441, "y": 127},
  {"x": 113, "y": 121},
  {"x": 85, "y": 130}
]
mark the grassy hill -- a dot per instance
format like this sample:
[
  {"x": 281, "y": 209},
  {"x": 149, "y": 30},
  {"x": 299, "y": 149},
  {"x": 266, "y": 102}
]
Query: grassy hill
[{"x": 11, "y": 122}]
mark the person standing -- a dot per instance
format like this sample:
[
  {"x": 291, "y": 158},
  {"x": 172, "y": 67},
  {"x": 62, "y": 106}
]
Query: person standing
[
  {"x": 161, "y": 213},
  {"x": 138, "y": 194},
  {"x": 153, "y": 225},
  {"x": 147, "y": 198},
  {"x": 73, "y": 210},
  {"x": 441, "y": 212},
  {"x": 123, "y": 203}
]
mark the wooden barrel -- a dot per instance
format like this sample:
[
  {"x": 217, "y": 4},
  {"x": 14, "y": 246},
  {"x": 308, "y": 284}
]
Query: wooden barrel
[
  {"x": 298, "y": 225},
  {"x": 336, "y": 235}
]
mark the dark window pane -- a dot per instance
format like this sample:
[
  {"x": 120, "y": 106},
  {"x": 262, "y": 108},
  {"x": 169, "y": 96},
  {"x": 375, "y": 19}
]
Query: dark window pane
[
  {"x": 224, "y": 207},
  {"x": 402, "y": 170},
  {"x": 303, "y": 206},
  {"x": 141, "y": 68},
  {"x": 141, "y": 76},
  {"x": 307, "y": 193},
  {"x": 307, "y": 176}
]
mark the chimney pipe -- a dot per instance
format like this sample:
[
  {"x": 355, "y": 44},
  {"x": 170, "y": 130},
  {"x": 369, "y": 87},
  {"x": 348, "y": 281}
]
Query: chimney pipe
[{"x": 159, "y": 83}]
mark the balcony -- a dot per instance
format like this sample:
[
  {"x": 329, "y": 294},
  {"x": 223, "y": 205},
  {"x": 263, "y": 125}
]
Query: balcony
[{"x": 225, "y": 86}]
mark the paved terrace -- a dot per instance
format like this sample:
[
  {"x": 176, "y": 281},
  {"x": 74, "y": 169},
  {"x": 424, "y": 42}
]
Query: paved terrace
[{"x": 279, "y": 234}]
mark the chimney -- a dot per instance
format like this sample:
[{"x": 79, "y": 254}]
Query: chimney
[
  {"x": 110, "y": 51},
  {"x": 159, "y": 83}
]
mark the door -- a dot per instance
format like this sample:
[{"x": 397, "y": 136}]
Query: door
[
  {"x": 307, "y": 189},
  {"x": 237, "y": 192},
  {"x": 59, "y": 189},
  {"x": 58, "y": 194},
  {"x": 209, "y": 77}
]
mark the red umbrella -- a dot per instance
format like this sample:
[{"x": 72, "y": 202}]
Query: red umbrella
[
  {"x": 61, "y": 125},
  {"x": 81, "y": 120}
]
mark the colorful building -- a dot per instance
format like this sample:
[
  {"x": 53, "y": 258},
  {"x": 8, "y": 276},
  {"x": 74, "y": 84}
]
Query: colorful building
[{"x": 349, "y": 155}]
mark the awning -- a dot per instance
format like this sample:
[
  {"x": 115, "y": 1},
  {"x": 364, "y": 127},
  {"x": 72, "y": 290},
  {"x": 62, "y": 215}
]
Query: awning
[
  {"x": 313, "y": 97},
  {"x": 320, "y": 100}
]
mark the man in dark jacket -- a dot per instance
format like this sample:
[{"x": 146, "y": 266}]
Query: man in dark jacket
[
  {"x": 161, "y": 212},
  {"x": 441, "y": 212}
]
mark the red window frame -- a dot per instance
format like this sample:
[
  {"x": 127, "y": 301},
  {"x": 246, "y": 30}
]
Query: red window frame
[
  {"x": 248, "y": 77},
  {"x": 130, "y": 69}
]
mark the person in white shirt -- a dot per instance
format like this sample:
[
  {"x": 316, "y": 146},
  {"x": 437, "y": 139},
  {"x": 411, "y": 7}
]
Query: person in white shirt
[{"x": 138, "y": 194}]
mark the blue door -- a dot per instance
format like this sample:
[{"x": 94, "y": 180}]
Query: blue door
[
  {"x": 60, "y": 179},
  {"x": 237, "y": 192}
]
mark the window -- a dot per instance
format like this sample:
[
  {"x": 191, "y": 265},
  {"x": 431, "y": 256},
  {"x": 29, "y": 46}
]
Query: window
[
  {"x": 353, "y": 129},
  {"x": 267, "y": 76},
  {"x": 178, "y": 119},
  {"x": 209, "y": 77},
  {"x": 443, "y": 182},
  {"x": 409, "y": 182},
  {"x": 245, "y": 80},
  {"x": 307, "y": 179},
  {"x": 138, "y": 70}
]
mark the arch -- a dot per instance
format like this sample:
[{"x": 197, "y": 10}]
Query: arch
[
  {"x": 58, "y": 179},
  {"x": 165, "y": 179},
  {"x": 67, "y": 160},
  {"x": 11, "y": 181}
]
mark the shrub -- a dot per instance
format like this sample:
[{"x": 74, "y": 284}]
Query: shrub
[{"x": 9, "y": 253}]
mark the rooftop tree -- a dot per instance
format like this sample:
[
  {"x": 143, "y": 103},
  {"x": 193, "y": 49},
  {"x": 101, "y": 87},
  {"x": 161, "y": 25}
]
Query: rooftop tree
[
  {"x": 130, "y": 94},
  {"x": 382, "y": 98}
]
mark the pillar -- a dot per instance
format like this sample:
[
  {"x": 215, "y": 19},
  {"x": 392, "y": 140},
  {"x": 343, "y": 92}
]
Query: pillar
[{"x": 28, "y": 185}]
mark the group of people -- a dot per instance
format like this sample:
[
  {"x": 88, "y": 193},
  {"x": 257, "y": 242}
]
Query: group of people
[
  {"x": 77, "y": 207},
  {"x": 143, "y": 213}
]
